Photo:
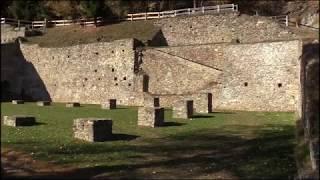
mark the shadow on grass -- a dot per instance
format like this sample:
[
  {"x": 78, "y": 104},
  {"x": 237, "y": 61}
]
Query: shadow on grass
[
  {"x": 39, "y": 123},
  {"x": 269, "y": 155},
  {"x": 222, "y": 112},
  {"x": 201, "y": 116},
  {"x": 122, "y": 137},
  {"x": 173, "y": 124}
]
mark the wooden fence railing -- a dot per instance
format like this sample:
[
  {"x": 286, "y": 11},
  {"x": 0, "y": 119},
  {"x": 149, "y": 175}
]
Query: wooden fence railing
[
  {"x": 283, "y": 19},
  {"x": 178, "y": 12}
]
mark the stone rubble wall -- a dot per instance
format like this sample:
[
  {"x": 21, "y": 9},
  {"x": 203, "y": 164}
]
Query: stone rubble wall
[
  {"x": 219, "y": 28},
  {"x": 90, "y": 73},
  {"x": 9, "y": 34},
  {"x": 254, "y": 76}
]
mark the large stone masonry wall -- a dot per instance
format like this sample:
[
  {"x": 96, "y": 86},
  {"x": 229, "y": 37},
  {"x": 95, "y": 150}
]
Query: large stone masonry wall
[
  {"x": 254, "y": 76},
  {"x": 174, "y": 75},
  {"x": 89, "y": 73},
  {"x": 218, "y": 28}
]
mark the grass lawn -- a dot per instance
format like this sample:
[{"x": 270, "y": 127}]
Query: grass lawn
[
  {"x": 74, "y": 34},
  {"x": 240, "y": 144}
]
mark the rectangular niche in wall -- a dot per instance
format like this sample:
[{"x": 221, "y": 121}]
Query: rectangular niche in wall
[
  {"x": 145, "y": 83},
  {"x": 210, "y": 103}
]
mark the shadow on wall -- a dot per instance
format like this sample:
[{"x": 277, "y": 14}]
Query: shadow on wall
[
  {"x": 158, "y": 40},
  {"x": 19, "y": 77},
  {"x": 308, "y": 130}
]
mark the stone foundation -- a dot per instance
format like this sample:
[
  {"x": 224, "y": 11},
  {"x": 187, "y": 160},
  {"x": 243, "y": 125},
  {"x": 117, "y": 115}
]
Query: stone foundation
[
  {"x": 73, "y": 105},
  {"x": 17, "y": 102},
  {"x": 111, "y": 105},
  {"x": 19, "y": 120},
  {"x": 43, "y": 103},
  {"x": 92, "y": 129},
  {"x": 182, "y": 109},
  {"x": 150, "y": 116}
]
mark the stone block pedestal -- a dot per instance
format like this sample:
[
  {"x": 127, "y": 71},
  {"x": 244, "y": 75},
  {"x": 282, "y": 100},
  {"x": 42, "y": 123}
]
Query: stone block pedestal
[
  {"x": 74, "y": 104},
  {"x": 150, "y": 116},
  {"x": 19, "y": 120},
  {"x": 182, "y": 109},
  {"x": 92, "y": 129},
  {"x": 43, "y": 103},
  {"x": 112, "y": 104},
  {"x": 17, "y": 102}
]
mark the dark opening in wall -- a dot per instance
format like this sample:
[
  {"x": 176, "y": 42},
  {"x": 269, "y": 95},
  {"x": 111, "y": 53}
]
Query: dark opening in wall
[
  {"x": 245, "y": 84},
  {"x": 83, "y": 85},
  {"x": 99, "y": 79},
  {"x": 97, "y": 53},
  {"x": 115, "y": 78},
  {"x": 124, "y": 78},
  {"x": 68, "y": 56},
  {"x": 145, "y": 87},
  {"x": 279, "y": 85},
  {"x": 112, "y": 52},
  {"x": 52, "y": 57},
  {"x": 85, "y": 79},
  {"x": 190, "y": 27},
  {"x": 116, "y": 84},
  {"x": 95, "y": 70},
  {"x": 122, "y": 50},
  {"x": 170, "y": 26},
  {"x": 129, "y": 84},
  {"x": 112, "y": 69}
]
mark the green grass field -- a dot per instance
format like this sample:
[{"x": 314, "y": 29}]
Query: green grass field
[
  {"x": 74, "y": 34},
  {"x": 244, "y": 144}
]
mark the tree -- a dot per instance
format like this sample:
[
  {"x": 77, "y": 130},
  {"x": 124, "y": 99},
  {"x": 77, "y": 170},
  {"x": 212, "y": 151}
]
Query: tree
[
  {"x": 91, "y": 8},
  {"x": 28, "y": 9}
]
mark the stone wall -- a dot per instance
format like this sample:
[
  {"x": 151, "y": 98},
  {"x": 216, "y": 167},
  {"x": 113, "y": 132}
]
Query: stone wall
[
  {"x": 89, "y": 73},
  {"x": 218, "y": 28},
  {"x": 9, "y": 34},
  {"x": 253, "y": 76}
]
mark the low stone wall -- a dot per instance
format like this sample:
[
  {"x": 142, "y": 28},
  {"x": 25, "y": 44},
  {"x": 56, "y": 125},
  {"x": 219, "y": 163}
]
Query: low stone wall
[{"x": 92, "y": 129}]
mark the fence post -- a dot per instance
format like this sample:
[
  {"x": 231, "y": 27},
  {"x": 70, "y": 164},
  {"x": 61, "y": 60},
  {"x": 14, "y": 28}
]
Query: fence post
[
  {"x": 131, "y": 17},
  {"x": 158, "y": 15},
  {"x": 19, "y": 24},
  {"x": 146, "y": 16},
  {"x": 218, "y": 8},
  {"x": 287, "y": 20},
  {"x": 203, "y": 9},
  {"x": 232, "y": 7},
  {"x": 175, "y": 13},
  {"x": 189, "y": 12}
]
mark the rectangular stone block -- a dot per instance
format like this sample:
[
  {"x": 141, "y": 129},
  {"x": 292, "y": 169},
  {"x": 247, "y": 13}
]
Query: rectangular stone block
[
  {"x": 73, "y": 105},
  {"x": 150, "y": 116},
  {"x": 112, "y": 104},
  {"x": 203, "y": 102},
  {"x": 43, "y": 103},
  {"x": 150, "y": 101},
  {"x": 19, "y": 120},
  {"x": 92, "y": 129},
  {"x": 17, "y": 102},
  {"x": 182, "y": 109}
]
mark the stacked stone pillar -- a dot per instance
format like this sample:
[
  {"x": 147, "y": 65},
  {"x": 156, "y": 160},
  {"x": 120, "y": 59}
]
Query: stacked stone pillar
[{"x": 151, "y": 114}]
